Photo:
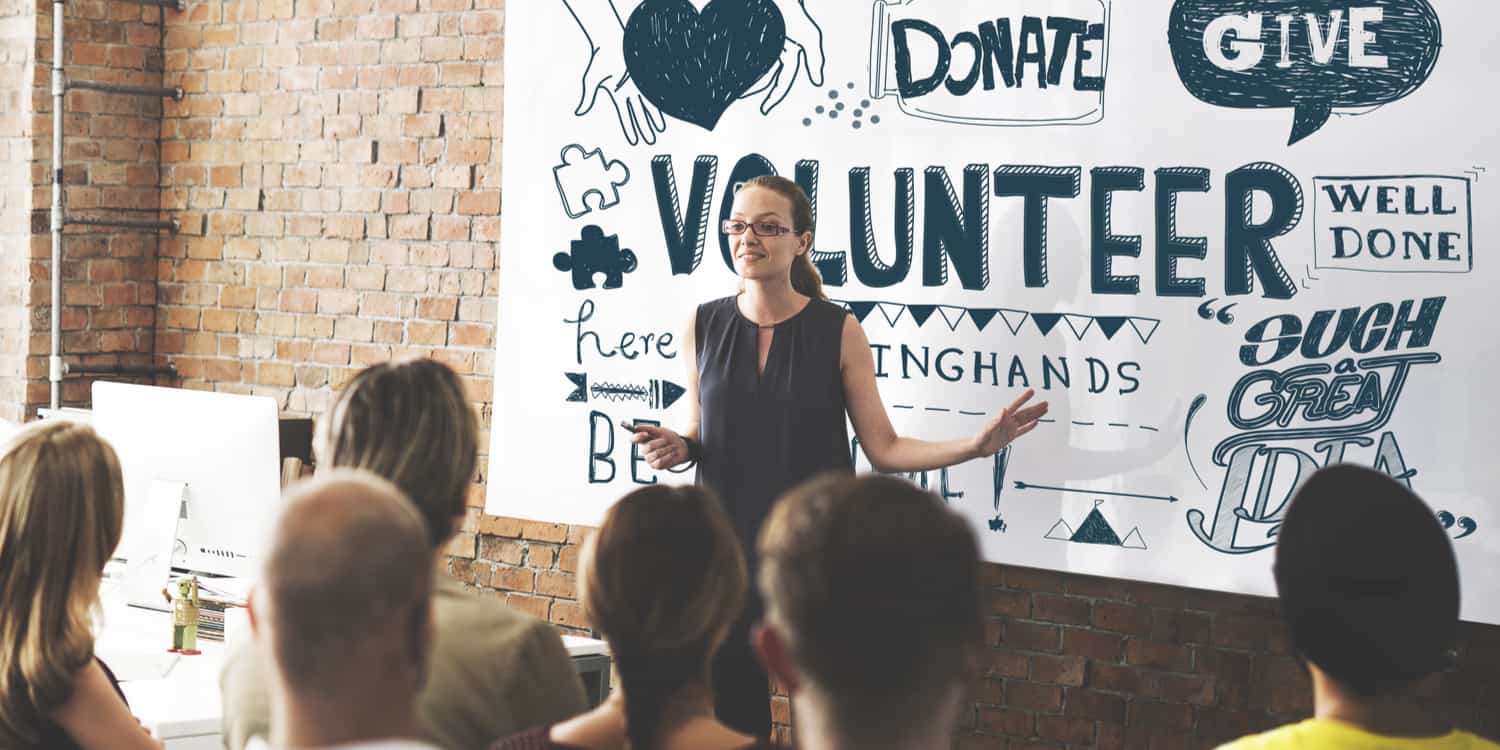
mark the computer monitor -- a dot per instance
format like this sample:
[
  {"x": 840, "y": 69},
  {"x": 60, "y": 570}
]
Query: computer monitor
[{"x": 220, "y": 450}]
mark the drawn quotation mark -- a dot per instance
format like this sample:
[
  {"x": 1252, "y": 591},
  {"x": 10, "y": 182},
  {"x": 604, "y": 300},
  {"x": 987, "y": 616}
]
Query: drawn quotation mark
[
  {"x": 1206, "y": 311},
  {"x": 1465, "y": 524}
]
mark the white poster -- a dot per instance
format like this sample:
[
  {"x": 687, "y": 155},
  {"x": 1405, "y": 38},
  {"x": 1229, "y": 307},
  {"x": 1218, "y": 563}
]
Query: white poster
[{"x": 1229, "y": 241}]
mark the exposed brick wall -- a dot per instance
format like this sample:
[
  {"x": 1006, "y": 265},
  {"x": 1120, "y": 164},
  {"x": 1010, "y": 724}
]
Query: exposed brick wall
[
  {"x": 335, "y": 165},
  {"x": 1080, "y": 661},
  {"x": 17, "y": 41},
  {"x": 336, "y": 168},
  {"x": 111, "y": 168}
]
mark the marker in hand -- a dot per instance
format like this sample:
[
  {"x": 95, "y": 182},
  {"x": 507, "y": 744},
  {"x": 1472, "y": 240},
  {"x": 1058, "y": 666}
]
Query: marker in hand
[{"x": 661, "y": 447}]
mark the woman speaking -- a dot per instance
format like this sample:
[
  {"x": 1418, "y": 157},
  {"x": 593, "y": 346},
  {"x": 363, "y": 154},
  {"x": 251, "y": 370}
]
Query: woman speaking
[{"x": 774, "y": 370}]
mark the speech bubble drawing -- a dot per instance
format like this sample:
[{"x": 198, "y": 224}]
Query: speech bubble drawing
[{"x": 1312, "y": 55}]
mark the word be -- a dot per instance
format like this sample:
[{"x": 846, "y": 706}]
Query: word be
[{"x": 602, "y": 447}]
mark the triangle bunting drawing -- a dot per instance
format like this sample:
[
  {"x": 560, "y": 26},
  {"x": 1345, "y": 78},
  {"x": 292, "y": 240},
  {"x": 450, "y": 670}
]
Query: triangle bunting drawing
[
  {"x": 1144, "y": 328},
  {"x": 921, "y": 313},
  {"x": 982, "y": 317},
  {"x": 1079, "y": 323},
  {"x": 1045, "y": 322}
]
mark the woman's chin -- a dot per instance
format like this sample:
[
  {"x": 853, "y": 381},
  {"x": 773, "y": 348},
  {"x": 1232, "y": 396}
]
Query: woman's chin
[{"x": 752, "y": 272}]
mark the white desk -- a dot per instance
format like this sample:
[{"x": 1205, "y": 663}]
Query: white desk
[
  {"x": 182, "y": 707},
  {"x": 177, "y": 698}
]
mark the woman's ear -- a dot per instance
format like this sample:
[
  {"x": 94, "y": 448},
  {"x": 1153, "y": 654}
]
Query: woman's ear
[
  {"x": 771, "y": 650},
  {"x": 807, "y": 238}
]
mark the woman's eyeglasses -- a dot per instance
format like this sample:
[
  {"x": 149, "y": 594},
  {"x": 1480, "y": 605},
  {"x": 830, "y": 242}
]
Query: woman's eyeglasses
[{"x": 760, "y": 228}]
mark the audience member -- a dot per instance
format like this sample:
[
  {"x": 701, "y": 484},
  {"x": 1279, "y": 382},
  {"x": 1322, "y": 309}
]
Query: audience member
[
  {"x": 62, "y": 506},
  {"x": 494, "y": 671},
  {"x": 872, "y": 612},
  {"x": 1369, "y": 592},
  {"x": 663, "y": 580},
  {"x": 345, "y": 609}
]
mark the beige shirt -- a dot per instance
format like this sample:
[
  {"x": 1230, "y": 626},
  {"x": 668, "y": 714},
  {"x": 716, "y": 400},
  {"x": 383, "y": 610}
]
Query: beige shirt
[{"x": 494, "y": 672}]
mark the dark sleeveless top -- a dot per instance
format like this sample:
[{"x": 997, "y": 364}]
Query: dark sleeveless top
[
  {"x": 54, "y": 737},
  {"x": 762, "y": 434}
]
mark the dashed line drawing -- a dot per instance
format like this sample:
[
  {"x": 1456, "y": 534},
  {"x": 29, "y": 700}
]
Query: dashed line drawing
[{"x": 1049, "y": 420}]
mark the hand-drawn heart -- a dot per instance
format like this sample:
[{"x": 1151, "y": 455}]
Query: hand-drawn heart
[{"x": 694, "y": 65}]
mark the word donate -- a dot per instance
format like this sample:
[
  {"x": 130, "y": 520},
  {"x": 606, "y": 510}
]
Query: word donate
[
  {"x": 1403, "y": 224},
  {"x": 1016, "y": 63},
  {"x": 1312, "y": 55}
]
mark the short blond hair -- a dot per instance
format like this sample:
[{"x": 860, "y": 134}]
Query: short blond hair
[
  {"x": 875, "y": 585},
  {"x": 62, "y": 507},
  {"x": 348, "y": 563},
  {"x": 410, "y": 422}
]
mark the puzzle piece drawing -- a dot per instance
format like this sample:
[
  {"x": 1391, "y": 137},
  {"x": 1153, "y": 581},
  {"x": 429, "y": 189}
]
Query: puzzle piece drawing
[
  {"x": 595, "y": 252},
  {"x": 583, "y": 173}
]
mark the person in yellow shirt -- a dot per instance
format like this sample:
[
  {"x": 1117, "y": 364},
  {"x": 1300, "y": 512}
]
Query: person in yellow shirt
[{"x": 1369, "y": 592}]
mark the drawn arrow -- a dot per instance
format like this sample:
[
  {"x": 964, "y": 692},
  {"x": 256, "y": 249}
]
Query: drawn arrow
[
  {"x": 657, "y": 394},
  {"x": 1025, "y": 486}
]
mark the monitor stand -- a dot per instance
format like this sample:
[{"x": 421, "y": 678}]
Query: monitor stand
[{"x": 149, "y": 565}]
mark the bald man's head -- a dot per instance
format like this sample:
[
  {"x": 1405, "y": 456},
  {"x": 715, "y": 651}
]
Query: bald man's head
[{"x": 348, "y": 580}]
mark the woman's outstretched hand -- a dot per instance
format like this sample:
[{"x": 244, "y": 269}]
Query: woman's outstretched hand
[
  {"x": 1013, "y": 422},
  {"x": 661, "y": 447}
]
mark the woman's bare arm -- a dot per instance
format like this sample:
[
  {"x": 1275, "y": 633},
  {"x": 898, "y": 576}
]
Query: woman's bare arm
[
  {"x": 891, "y": 452},
  {"x": 97, "y": 719}
]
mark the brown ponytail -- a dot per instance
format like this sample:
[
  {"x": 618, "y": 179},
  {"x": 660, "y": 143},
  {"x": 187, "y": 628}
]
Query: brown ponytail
[
  {"x": 663, "y": 580},
  {"x": 805, "y": 277}
]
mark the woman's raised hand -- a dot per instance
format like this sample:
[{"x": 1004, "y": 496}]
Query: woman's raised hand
[
  {"x": 1013, "y": 422},
  {"x": 661, "y": 447}
]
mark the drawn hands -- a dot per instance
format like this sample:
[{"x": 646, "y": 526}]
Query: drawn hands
[
  {"x": 640, "y": 120},
  {"x": 662, "y": 449},
  {"x": 599, "y": 21},
  {"x": 803, "y": 49},
  {"x": 1013, "y": 422}
]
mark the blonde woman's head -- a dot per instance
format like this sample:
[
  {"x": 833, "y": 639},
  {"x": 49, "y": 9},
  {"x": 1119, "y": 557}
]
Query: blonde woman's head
[
  {"x": 62, "y": 508},
  {"x": 411, "y": 423}
]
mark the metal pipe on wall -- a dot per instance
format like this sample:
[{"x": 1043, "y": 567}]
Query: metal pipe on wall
[
  {"x": 170, "y": 225},
  {"x": 169, "y": 370},
  {"x": 174, "y": 92},
  {"x": 55, "y": 362},
  {"x": 56, "y": 369}
]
